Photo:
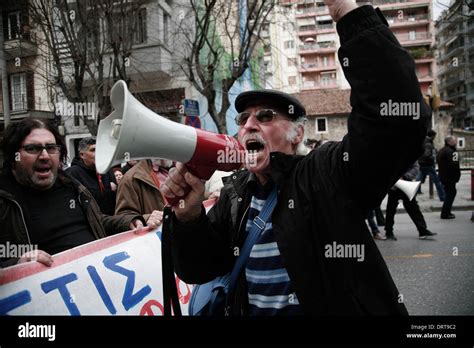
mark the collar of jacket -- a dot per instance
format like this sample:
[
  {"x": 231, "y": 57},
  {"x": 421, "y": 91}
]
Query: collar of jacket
[
  {"x": 142, "y": 171},
  {"x": 281, "y": 165},
  {"x": 80, "y": 163}
]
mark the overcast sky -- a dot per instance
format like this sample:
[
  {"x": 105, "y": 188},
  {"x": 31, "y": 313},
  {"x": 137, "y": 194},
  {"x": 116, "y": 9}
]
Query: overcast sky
[{"x": 438, "y": 7}]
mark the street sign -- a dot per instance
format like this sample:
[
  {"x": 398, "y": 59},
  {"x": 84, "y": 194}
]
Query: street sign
[
  {"x": 191, "y": 107},
  {"x": 193, "y": 121}
]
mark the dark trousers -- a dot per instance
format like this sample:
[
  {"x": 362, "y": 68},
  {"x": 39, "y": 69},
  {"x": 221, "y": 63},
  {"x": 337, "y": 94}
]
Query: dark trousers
[
  {"x": 379, "y": 216},
  {"x": 411, "y": 207},
  {"x": 431, "y": 171},
  {"x": 450, "y": 190},
  {"x": 371, "y": 221}
]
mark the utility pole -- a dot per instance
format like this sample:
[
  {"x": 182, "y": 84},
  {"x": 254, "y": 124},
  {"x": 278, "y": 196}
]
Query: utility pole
[{"x": 4, "y": 76}]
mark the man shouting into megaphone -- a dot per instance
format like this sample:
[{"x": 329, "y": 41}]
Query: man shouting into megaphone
[{"x": 313, "y": 254}]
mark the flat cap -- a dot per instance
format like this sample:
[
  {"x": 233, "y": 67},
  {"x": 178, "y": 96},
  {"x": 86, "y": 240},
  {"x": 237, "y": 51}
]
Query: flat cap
[{"x": 283, "y": 101}]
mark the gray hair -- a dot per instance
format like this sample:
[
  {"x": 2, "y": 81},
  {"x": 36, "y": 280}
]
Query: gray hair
[
  {"x": 85, "y": 143},
  {"x": 301, "y": 149},
  {"x": 450, "y": 139}
]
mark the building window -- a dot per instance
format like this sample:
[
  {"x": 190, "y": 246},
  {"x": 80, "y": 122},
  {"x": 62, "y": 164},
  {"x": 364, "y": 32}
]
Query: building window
[
  {"x": 292, "y": 80},
  {"x": 321, "y": 125},
  {"x": 289, "y": 44},
  {"x": 412, "y": 35},
  {"x": 141, "y": 33},
  {"x": 291, "y": 61},
  {"x": 13, "y": 25},
  {"x": 166, "y": 22},
  {"x": 18, "y": 92},
  {"x": 325, "y": 80},
  {"x": 325, "y": 61}
]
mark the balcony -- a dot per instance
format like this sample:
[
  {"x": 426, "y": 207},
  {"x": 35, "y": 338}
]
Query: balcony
[
  {"x": 312, "y": 29},
  {"x": 455, "y": 96},
  {"x": 419, "y": 38},
  {"x": 23, "y": 45},
  {"x": 425, "y": 78},
  {"x": 309, "y": 85},
  {"x": 311, "y": 11},
  {"x": 400, "y": 4},
  {"x": 408, "y": 21},
  {"x": 315, "y": 67},
  {"x": 317, "y": 48},
  {"x": 450, "y": 68},
  {"x": 451, "y": 82}
]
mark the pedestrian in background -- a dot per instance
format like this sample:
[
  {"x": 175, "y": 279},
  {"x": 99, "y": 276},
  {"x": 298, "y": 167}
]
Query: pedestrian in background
[
  {"x": 102, "y": 186},
  {"x": 427, "y": 164},
  {"x": 411, "y": 207},
  {"x": 449, "y": 174}
]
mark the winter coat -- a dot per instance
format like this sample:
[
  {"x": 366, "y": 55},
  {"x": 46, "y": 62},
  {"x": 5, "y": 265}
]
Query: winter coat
[
  {"x": 448, "y": 164},
  {"x": 88, "y": 177},
  {"x": 428, "y": 157},
  {"x": 14, "y": 218},
  {"x": 137, "y": 193},
  {"x": 324, "y": 197}
]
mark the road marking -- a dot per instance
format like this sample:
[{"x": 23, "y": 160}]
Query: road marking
[
  {"x": 422, "y": 255},
  {"x": 419, "y": 256}
]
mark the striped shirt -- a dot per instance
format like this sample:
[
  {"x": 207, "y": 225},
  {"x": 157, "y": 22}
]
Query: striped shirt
[{"x": 269, "y": 287}]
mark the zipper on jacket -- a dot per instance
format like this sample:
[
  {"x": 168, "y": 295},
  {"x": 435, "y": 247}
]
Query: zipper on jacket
[
  {"x": 23, "y": 219},
  {"x": 240, "y": 225}
]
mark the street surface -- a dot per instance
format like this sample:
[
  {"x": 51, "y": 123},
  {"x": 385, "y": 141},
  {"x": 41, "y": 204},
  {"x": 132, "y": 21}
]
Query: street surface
[{"x": 432, "y": 279}]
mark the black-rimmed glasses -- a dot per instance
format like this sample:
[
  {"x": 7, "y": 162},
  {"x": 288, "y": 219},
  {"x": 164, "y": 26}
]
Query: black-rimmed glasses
[{"x": 36, "y": 149}]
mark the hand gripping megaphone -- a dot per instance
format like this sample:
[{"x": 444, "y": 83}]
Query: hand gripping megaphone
[
  {"x": 409, "y": 188},
  {"x": 133, "y": 132}
]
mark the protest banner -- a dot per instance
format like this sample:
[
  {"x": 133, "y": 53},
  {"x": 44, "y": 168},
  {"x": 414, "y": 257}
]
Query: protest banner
[{"x": 117, "y": 275}]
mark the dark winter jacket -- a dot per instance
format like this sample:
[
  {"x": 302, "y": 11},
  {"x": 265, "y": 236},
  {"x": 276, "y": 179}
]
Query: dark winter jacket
[
  {"x": 14, "y": 219},
  {"x": 88, "y": 177},
  {"x": 428, "y": 157},
  {"x": 448, "y": 164},
  {"x": 412, "y": 172},
  {"x": 324, "y": 197}
]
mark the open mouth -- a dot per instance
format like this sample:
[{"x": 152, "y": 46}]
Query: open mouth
[
  {"x": 254, "y": 145},
  {"x": 43, "y": 170}
]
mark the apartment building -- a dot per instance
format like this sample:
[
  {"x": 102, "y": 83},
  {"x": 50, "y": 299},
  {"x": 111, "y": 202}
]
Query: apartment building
[
  {"x": 280, "y": 50},
  {"x": 455, "y": 45},
  {"x": 317, "y": 47},
  {"x": 412, "y": 23},
  {"x": 316, "y": 42},
  {"x": 26, "y": 69}
]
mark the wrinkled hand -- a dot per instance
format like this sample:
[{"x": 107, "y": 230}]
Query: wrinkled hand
[
  {"x": 155, "y": 219},
  {"x": 37, "y": 255},
  {"x": 136, "y": 224},
  {"x": 188, "y": 208},
  {"x": 339, "y": 8}
]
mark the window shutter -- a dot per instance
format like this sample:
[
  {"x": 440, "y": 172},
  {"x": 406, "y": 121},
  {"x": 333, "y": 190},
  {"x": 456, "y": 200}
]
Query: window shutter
[
  {"x": 5, "y": 25},
  {"x": 30, "y": 90},
  {"x": 10, "y": 92}
]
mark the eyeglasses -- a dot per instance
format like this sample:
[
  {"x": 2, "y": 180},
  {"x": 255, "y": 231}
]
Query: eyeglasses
[
  {"x": 262, "y": 116},
  {"x": 35, "y": 149}
]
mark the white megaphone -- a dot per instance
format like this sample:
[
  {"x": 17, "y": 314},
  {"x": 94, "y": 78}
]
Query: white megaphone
[
  {"x": 132, "y": 131},
  {"x": 409, "y": 188}
]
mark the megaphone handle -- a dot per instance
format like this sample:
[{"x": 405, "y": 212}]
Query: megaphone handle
[
  {"x": 201, "y": 171},
  {"x": 175, "y": 200}
]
